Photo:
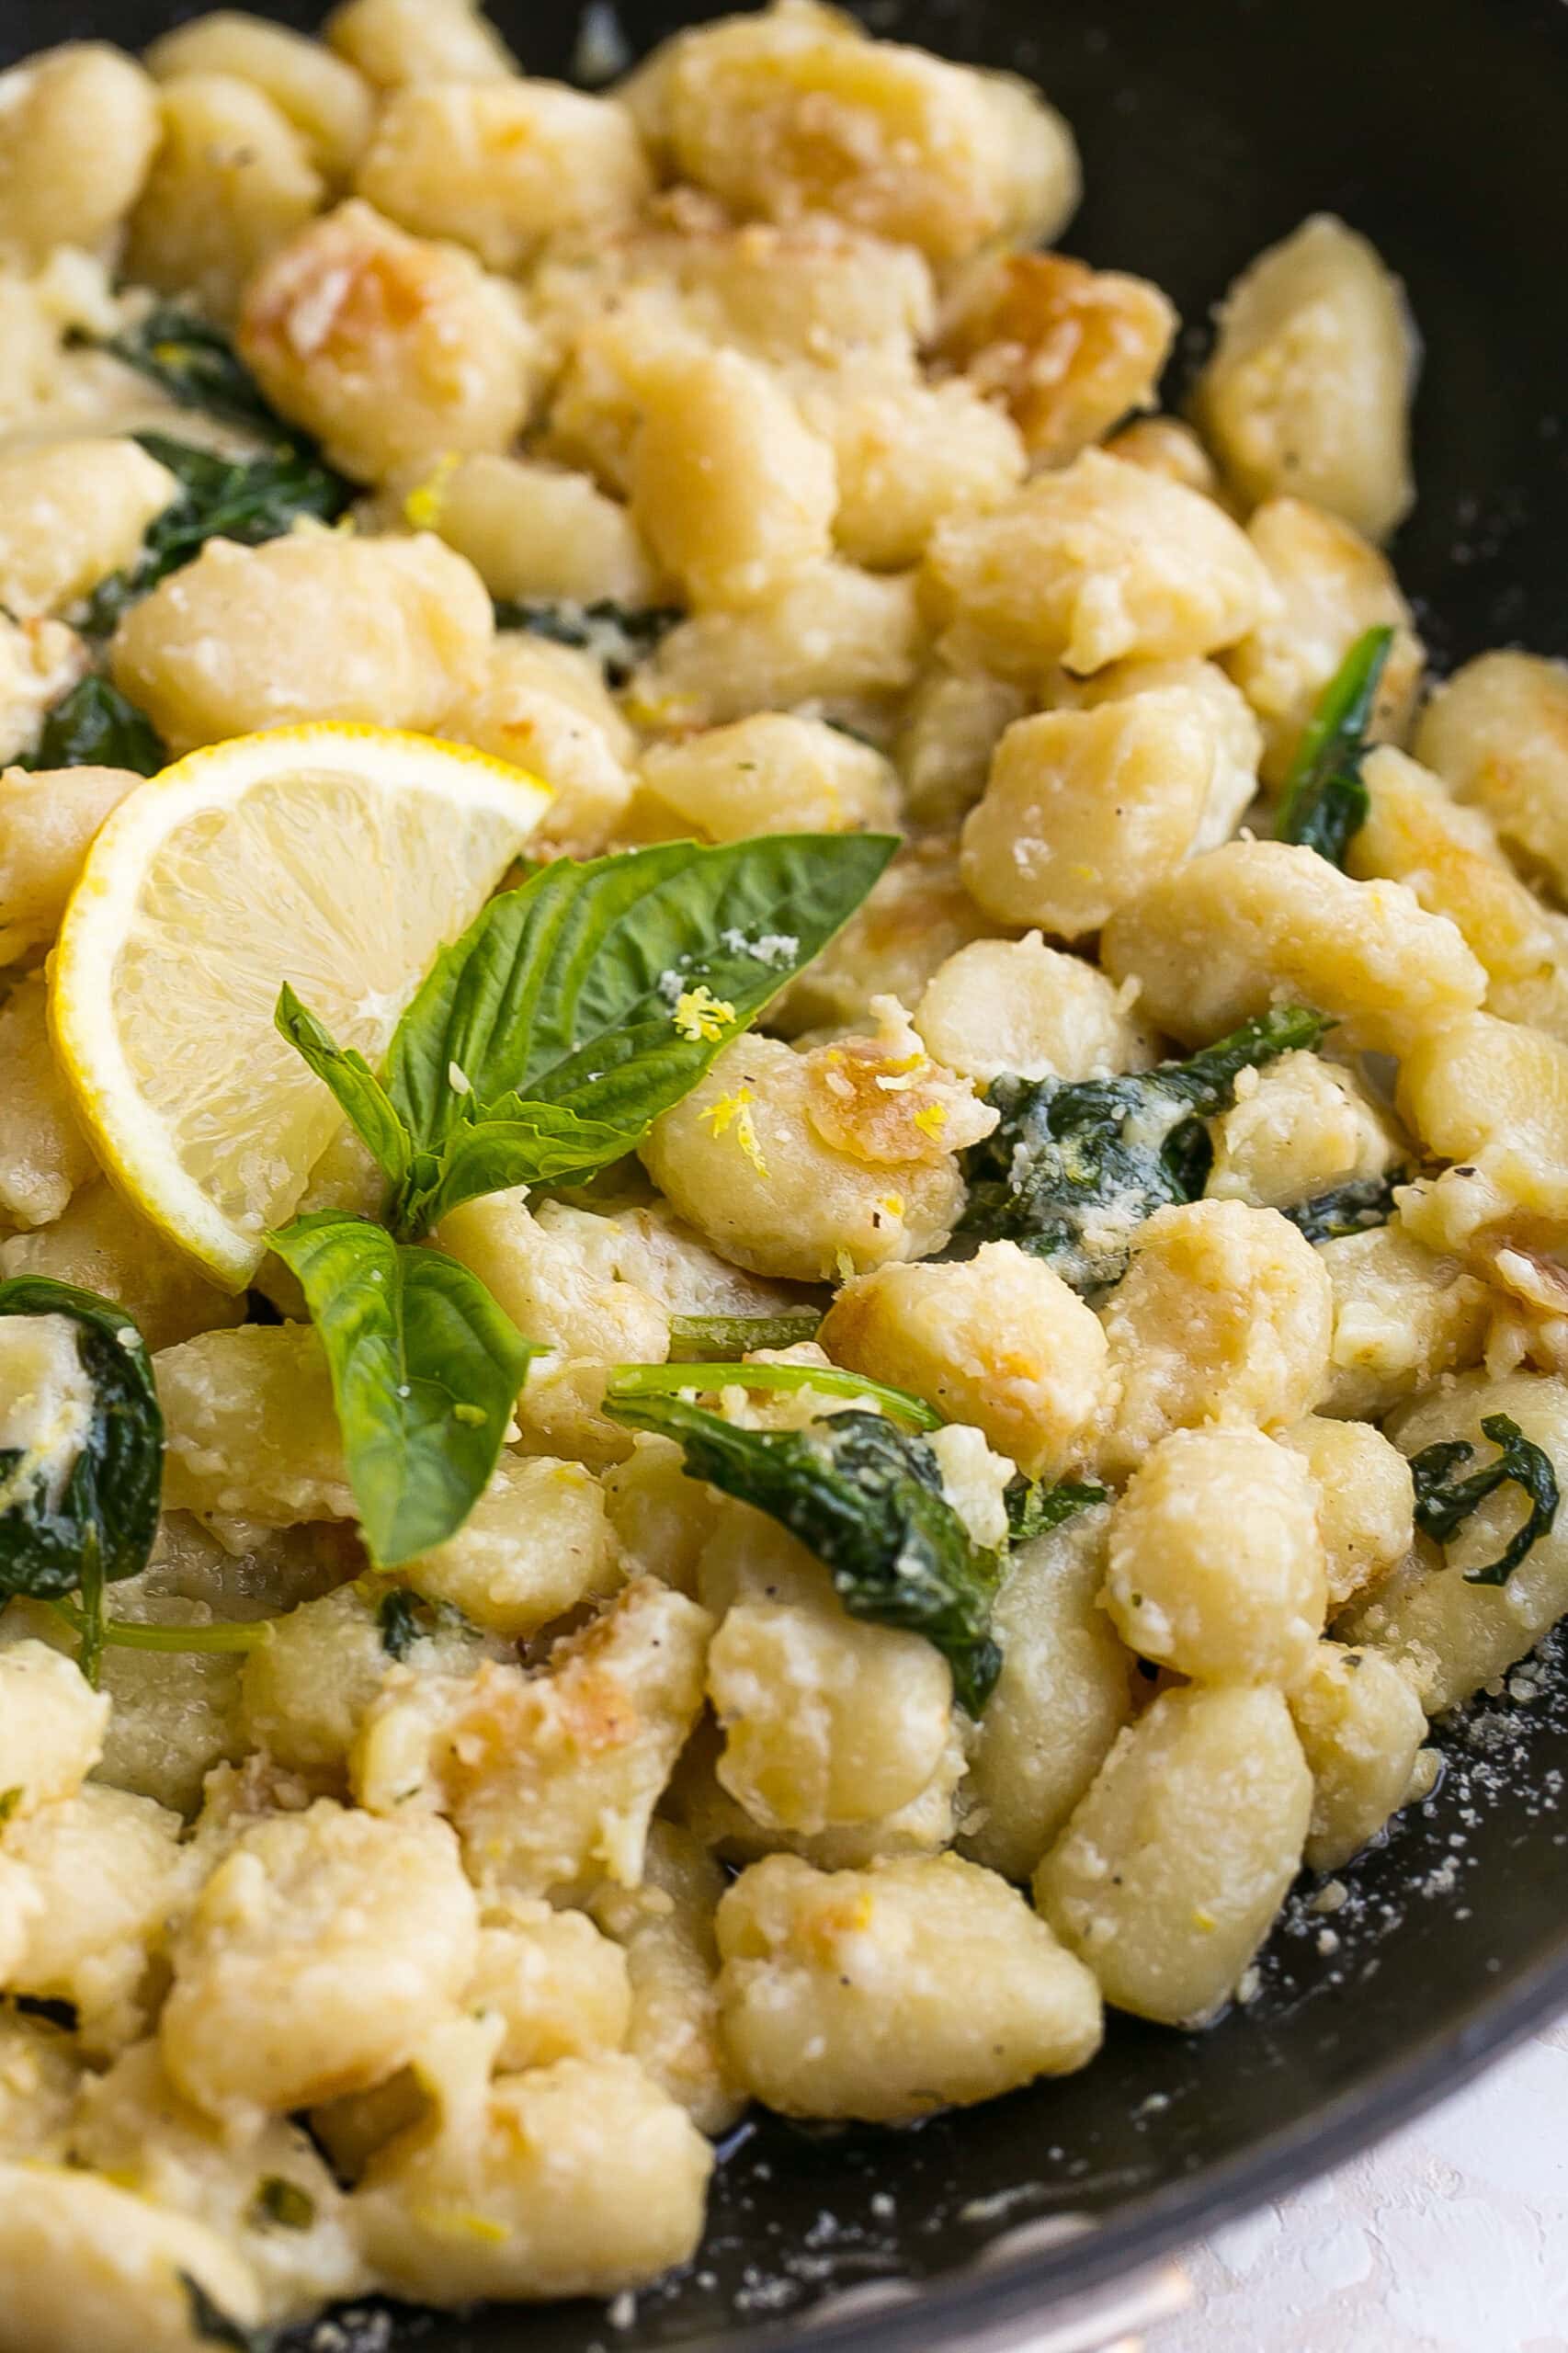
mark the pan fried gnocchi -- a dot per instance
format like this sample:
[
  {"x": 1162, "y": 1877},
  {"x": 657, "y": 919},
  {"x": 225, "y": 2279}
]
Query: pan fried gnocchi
[{"x": 783, "y": 1140}]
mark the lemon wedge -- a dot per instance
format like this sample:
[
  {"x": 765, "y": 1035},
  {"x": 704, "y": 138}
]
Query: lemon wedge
[{"x": 339, "y": 859}]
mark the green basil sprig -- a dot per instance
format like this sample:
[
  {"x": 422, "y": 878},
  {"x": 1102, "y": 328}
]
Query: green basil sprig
[
  {"x": 425, "y": 1369},
  {"x": 545, "y": 1042},
  {"x": 1326, "y": 801},
  {"x": 541, "y": 1048},
  {"x": 99, "y": 1525},
  {"x": 1075, "y": 1166},
  {"x": 867, "y": 1500},
  {"x": 1444, "y": 1502},
  {"x": 94, "y": 726}
]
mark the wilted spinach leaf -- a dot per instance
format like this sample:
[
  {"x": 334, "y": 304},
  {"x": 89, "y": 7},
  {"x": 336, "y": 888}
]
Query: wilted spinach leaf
[
  {"x": 1034, "y": 1509},
  {"x": 867, "y": 1500},
  {"x": 1354, "y": 1208},
  {"x": 94, "y": 1525},
  {"x": 1326, "y": 801},
  {"x": 1075, "y": 1166},
  {"x": 619, "y": 636},
  {"x": 397, "y": 1621},
  {"x": 246, "y": 499},
  {"x": 1444, "y": 1502},
  {"x": 95, "y": 727},
  {"x": 198, "y": 366},
  {"x": 405, "y": 1618}
]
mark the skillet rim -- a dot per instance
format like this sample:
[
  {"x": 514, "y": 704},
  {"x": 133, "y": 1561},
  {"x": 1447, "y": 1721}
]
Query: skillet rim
[{"x": 997, "y": 2301}]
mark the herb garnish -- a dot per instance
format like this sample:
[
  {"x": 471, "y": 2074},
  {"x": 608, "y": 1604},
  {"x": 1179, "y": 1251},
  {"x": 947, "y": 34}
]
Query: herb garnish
[
  {"x": 1077, "y": 1165},
  {"x": 736, "y": 1336},
  {"x": 620, "y": 636},
  {"x": 867, "y": 1500},
  {"x": 541, "y": 1047},
  {"x": 1444, "y": 1502},
  {"x": 545, "y": 1042},
  {"x": 1034, "y": 1509},
  {"x": 1353, "y": 1207},
  {"x": 1325, "y": 803},
  {"x": 94, "y": 726}
]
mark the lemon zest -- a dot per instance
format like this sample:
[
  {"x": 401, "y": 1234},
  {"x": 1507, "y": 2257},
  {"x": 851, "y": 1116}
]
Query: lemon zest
[
  {"x": 735, "y": 1111},
  {"x": 701, "y": 1017},
  {"x": 422, "y": 507}
]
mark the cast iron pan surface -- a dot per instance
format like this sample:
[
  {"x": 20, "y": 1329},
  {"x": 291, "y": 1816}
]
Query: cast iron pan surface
[{"x": 1440, "y": 128}]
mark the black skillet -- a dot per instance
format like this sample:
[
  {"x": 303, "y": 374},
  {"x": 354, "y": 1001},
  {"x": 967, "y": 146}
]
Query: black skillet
[{"x": 1440, "y": 127}]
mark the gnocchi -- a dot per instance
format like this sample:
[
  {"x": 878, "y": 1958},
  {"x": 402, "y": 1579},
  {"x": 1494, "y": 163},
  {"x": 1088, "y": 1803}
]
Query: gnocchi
[{"x": 789, "y": 1551}]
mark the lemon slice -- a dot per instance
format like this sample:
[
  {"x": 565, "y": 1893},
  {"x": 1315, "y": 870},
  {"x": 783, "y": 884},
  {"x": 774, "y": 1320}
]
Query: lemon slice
[{"x": 339, "y": 859}]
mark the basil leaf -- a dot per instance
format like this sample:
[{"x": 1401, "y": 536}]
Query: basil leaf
[
  {"x": 608, "y": 989},
  {"x": 99, "y": 1525},
  {"x": 245, "y": 499},
  {"x": 95, "y": 727},
  {"x": 619, "y": 636},
  {"x": 736, "y": 1336},
  {"x": 867, "y": 1500},
  {"x": 354, "y": 1084},
  {"x": 425, "y": 1372},
  {"x": 1325, "y": 803},
  {"x": 1443, "y": 1502},
  {"x": 514, "y": 1143},
  {"x": 198, "y": 366},
  {"x": 1354, "y": 1208},
  {"x": 1075, "y": 1166},
  {"x": 831, "y": 1379},
  {"x": 1034, "y": 1509}
]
